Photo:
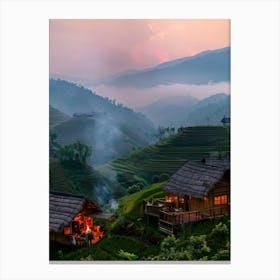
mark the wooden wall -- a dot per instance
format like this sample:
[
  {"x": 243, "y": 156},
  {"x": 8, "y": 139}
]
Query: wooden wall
[{"x": 221, "y": 188}]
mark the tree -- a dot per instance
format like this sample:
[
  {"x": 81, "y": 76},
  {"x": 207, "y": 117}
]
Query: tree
[
  {"x": 167, "y": 130},
  {"x": 53, "y": 145},
  {"x": 160, "y": 132},
  {"x": 75, "y": 154},
  {"x": 180, "y": 129},
  {"x": 82, "y": 152}
]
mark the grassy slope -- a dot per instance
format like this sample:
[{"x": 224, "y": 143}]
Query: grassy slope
[
  {"x": 134, "y": 242},
  {"x": 73, "y": 130},
  {"x": 130, "y": 205},
  {"x": 71, "y": 180},
  {"x": 56, "y": 117},
  {"x": 108, "y": 248},
  {"x": 168, "y": 155},
  {"x": 81, "y": 181}
]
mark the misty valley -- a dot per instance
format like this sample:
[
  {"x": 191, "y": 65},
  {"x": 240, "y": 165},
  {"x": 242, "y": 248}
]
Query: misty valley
[{"x": 109, "y": 167}]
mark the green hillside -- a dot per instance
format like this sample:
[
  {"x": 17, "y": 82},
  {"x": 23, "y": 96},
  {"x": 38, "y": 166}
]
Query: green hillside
[
  {"x": 111, "y": 129},
  {"x": 56, "y": 117},
  {"x": 168, "y": 155},
  {"x": 107, "y": 139},
  {"x": 130, "y": 205},
  {"x": 71, "y": 180},
  {"x": 83, "y": 180}
]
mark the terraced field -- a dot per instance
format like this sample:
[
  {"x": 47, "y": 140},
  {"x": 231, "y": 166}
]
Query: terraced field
[{"x": 168, "y": 155}]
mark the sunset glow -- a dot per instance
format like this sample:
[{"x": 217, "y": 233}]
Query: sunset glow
[{"x": 92, "y": 49}]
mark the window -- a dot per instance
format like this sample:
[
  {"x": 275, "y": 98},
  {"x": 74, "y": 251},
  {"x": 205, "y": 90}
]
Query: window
[
  {"x": 181, "y": 200},
  {"x": 221, "y": 199}
]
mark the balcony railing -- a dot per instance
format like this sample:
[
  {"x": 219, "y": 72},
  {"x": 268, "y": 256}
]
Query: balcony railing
[
  {"x": 153, "y": 207},
  {"x": 182, "y": 217},
  {"x": 169, "y": 220}
]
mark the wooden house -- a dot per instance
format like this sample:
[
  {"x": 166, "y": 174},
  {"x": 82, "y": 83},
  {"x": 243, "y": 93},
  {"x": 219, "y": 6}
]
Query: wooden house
[
  {"x": 71, "y": 219},
  {"x": 199, "y": 190}
]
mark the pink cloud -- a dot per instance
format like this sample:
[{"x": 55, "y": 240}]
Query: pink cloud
[{"x": 96, "y": 48}]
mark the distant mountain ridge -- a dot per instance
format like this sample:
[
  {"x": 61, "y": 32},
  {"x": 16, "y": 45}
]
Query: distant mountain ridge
[
  {"x": 210, "y": 66},
  {"x": 210, "y": 110},
  {"x": 170, "y": 111},
  {"x": 188, "y": 111}
]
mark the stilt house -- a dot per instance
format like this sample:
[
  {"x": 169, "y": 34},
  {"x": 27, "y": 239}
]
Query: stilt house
[{"x": 199, "y": 190}]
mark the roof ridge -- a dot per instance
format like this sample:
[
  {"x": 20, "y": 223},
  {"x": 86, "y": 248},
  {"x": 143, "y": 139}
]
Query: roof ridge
[{"x": 67, "y": 194}]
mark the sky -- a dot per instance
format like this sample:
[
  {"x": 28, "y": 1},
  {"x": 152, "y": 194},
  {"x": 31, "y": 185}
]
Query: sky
[{"x": 87, "y": 50}]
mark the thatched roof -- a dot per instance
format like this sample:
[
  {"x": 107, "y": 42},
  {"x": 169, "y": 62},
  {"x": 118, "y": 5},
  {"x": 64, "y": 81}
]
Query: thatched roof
[
  {"x": 63, "y": 208},
  {"x": 197, "y": 178}
]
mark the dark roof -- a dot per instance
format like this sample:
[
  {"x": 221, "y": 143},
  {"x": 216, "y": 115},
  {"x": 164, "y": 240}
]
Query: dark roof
[
  {"x": 63, "y": 208},
  {"x": 197, "y": 178},
  {"x": 225, "y": 120}
]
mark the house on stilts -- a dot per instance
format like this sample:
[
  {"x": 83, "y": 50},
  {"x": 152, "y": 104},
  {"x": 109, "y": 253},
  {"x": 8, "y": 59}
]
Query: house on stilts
[{"x": 199, "y": 190}]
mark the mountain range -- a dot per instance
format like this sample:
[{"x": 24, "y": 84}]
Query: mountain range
[
  {"x": 188, "y": 111},
  {"x": 210, "y": 66}
]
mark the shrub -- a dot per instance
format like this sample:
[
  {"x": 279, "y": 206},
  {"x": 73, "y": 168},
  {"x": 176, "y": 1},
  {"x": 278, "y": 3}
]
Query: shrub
[
  {"x": 198, "y": 246},
  {"x": 155, "y": 179},
  {"x": 205, "y": 258},
  {"x": 88, "y": 258},
  {"x": 127, "y": 256},
  {"x": 219, "y": 236},
  {"x": 134, "y": 188},
  {"x": 222, "y": 255},
  {"x": 163, "y": 177},
  {"x": 140, "y": 181},
  {"x": 168, "y": 243},
  {"x": 169, "y": 250},
  {"x": 118, "y": 226},
  {"x": 220, "y": 231}
]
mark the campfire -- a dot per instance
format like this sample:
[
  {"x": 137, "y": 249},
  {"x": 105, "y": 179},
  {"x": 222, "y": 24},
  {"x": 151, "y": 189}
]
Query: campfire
[{"x": 82, "y": 231}]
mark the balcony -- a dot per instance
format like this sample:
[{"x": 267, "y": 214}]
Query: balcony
[
  {"x": 170, "y": 218},
  {"x": 153, "y": 207}
]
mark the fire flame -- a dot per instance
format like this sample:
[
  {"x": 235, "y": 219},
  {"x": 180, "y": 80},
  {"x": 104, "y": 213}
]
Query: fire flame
[{"x": 88, "y": 230}]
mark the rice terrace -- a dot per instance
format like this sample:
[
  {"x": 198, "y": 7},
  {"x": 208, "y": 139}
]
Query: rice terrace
[{"x": 139, "y": 140}]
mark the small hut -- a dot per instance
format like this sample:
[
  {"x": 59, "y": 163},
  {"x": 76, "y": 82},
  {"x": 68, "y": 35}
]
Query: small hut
[
  {"x": 198, "y": 190},
  {"x": 71, "y": 218}
]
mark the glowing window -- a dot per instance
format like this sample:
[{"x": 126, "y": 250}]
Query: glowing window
[
  {"x": 221, "y": 199},
  {"x": 181, "y": 200}
]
